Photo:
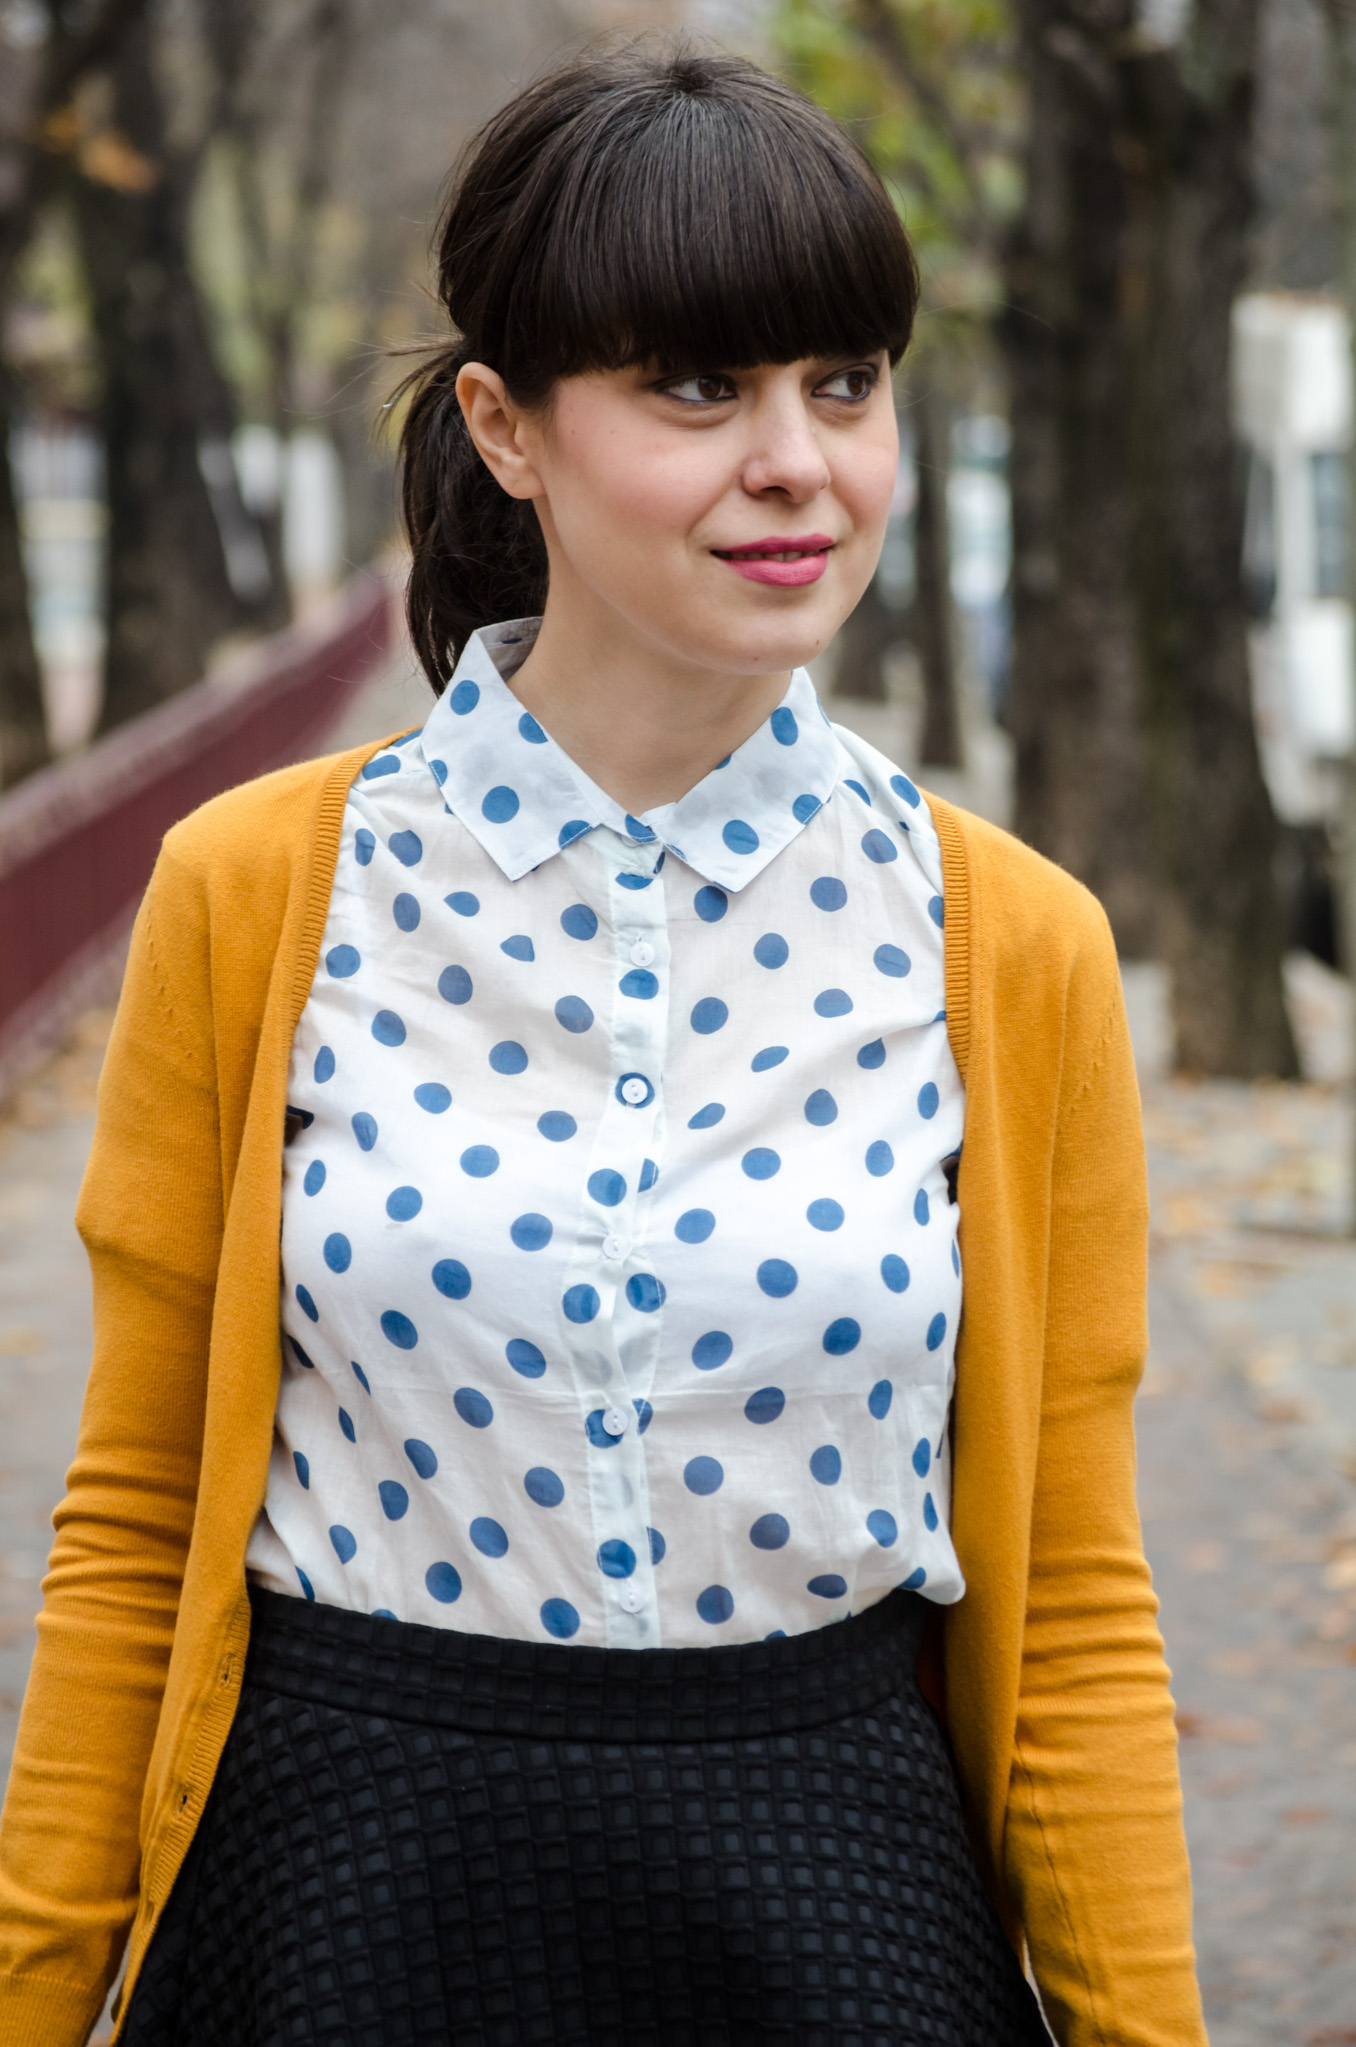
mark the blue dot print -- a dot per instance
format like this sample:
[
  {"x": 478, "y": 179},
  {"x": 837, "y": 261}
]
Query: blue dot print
[
  {"x": 905, "y": 790},
  {"x": 707, "y": 1118},
  {"x": 403, "y": 1203},
  {"x": 766, "y": 1405},
  {"x": 694, "y": 1226},
  {"x": 488, "y": 1537},
  {"x": 928, "y": 1100},
  {"x": 500, "y": 804},
  {"x": 658, "y": 1546},
  {"x": 826, "y": 1464},
  {"x": 443, "y": 1582},
  {"x": 929, "y": 1513},
  {"x": 463, "y": 902},
  {"x": 914, "y": 1580},
  {"x": 711, "y": 1351},
  {"x": 921, "y": 1210},
  {"x": 703, "y": 1475},
  {"x": 324, "y": 1065},
  {"x": 303, "y": 1469},
  {"x": 842, "y": 1336},
  {"x": 407, "y": 847},
  {"x": 857, "y": 790},
  {"x": 581, "y": 1303},
  {"x": 771, "y": 950},
  {"x": 345, "y": 1542},
  {"x": 784, "y": 727},
  {"x": 474, "y": 1409},
  {"x": 761, "y": 1163},
  {"x": 882, "y": 1527},
  {"x": 777, "y": 1278},
  {"x": 715, "y": 1604},
  {"x": 645, "y": 1293},
  {"x": 573, "y": 829},
  {"x": 452, "y": 1279},
  {"x": 894, "y": 1272},
  {"x": 479, "y": 1160},
  {"x": 739, "y": 836},
  {"x": 607, "y": 1187},
  {"x": 454, "y": 985},
  {"x": 519, "y": 947},
  {"x": 464, "y": 697},
  {"x": 360, "y": 1375},
  {"x": 315, "y": 1176},
  {"x": 508, "y": 1057},
  {"x": 530, "y": 1232},
  {"x": 804, "y": 808},
  {"x": 364, "y": 845},
  {"x": 828, "y": 1585},
  {"x": 560, "y": 1619},
  {"x": 342, "y": 960},
  {"x": 936, "y": 912},
  {"x": 770, "y": 1056},
  {"x": 399, "y": 1330},
  {"x": 922, "y": 1456},
  {"x": 770, "y": 1531},
  {"x": 544, "y": 1486},
  {"x": 388, "y": 1028},
  {"x": 579, "y": 921},
  {"x": 525, "y": 1357},
  {"x": 824, "y": 1215},
  {"x": 530, "y": 730},
  {"x": 338, "y": 1252},
  {"x": 879, "y": 1398},
  {"x": 395, "y": 1501},
  {"x": 821, "y": 1108},
  {"x": 421, "y": 1457},
  {"x": 710, "y": 903},
  {"x": 640, "y": 984},
  {"x": 616, "y": 1559},
  {"x": 936, "y": 1331},
  {"x": 833, "y": 1002},
  {"x": 346, "y": 1425},
  {"x": 872, "y": 1056},
  {"x": 892, "y": 961},
  {"x": 880, "y": 1159},
  {"x": 433, "y": 1096},
  {"x": 557, "y": 1125},
  {"x": 573, "y": 1014},
  {"x": 828, "y": 893},
  {"x": 307, "y": 1305},
  {"x": 709, "y": 1015},
  {"x": 878, "y": 847}
]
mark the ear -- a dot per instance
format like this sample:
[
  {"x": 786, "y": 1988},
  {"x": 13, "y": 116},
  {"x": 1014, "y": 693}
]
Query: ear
[{"x": 502, "y": 432}]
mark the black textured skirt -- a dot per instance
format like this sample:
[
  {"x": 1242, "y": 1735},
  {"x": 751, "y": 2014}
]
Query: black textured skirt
[{"x": 417, "y": 1836}]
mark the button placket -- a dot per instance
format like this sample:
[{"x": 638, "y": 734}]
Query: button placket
[{"x": 607, "y": 1371}]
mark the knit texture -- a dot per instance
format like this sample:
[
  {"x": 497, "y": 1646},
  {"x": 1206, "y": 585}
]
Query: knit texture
[
  {"x": 380, "y": 1865},
  {"x": 1056, "y": 1690}
]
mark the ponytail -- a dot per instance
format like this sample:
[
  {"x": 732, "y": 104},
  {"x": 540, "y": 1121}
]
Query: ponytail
[{"x": 478, "y": 554}]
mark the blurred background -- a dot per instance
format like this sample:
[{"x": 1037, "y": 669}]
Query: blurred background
[{"x": 1114, "y": 613}]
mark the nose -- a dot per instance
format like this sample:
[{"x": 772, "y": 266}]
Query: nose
[{"x": 784, "y": 457}]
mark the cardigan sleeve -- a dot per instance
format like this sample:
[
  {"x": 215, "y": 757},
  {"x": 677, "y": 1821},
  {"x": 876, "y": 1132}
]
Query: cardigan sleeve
[
  {"x": 1094, "y": 1849},
  {"x": 150, "y": 1214}
]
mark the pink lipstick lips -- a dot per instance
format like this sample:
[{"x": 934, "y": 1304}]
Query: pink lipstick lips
[{"x": 785, "y": 562}]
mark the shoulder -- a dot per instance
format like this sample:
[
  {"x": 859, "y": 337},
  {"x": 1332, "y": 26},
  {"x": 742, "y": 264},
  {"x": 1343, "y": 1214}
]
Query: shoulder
[{"x": 1014, "y": 896}]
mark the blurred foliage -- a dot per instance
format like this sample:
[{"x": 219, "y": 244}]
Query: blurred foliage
[{"x": 931, "y": 90}]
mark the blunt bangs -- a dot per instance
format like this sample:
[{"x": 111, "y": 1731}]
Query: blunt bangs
[{"x": 693, "y": 214}]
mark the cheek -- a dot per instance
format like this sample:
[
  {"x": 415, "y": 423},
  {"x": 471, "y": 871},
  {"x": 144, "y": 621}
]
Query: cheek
[
  {"x": 615, "y": 491},
  {"x": 864, "y": 480}
]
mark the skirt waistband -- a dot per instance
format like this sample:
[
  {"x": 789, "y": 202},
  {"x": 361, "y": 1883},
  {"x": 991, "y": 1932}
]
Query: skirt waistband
[{"x": 400, "y": 1670}]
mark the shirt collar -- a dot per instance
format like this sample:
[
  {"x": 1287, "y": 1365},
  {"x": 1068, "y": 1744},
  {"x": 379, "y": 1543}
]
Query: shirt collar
[{"x": 522, "y": 797}]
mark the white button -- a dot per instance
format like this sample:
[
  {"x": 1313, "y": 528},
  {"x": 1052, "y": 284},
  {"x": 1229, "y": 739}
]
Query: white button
[
  {"x": 642, "y": 953},
  {"x": 614, "y": 1421},
  {"x": 614, "y": 1247},
  {"x": 632, "y": 1599},
  {"x": 634, "y": 1090}
]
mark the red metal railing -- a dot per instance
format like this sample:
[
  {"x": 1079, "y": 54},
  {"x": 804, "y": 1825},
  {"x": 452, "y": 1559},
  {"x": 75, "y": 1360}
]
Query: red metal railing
[{"x": 78, "y": 840}]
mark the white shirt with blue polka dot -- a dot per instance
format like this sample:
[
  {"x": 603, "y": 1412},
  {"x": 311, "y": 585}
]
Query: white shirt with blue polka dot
[{"x": 620, "y": 1277}]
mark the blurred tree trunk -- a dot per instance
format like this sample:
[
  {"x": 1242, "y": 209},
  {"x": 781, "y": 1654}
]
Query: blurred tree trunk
[
  {"x": 1075, "y": 704},
  {"x": 933, "y": 613},
  {"x": 169, "y": 594},
  {"x": 1190, "y": 116},
  {"x": 38, "y": 87},
  {"x": 863, "y": 638}
]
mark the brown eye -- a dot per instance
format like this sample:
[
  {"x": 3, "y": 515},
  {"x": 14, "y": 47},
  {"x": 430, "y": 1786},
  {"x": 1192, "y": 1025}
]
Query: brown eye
[
  {"x": 854, "y": 385},
  {"x": 704, "y": 388}
]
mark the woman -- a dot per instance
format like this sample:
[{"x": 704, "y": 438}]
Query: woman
[{"x": 515, "y": 1636}]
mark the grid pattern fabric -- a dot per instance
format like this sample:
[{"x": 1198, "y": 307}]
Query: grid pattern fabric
[{"x": 383, "y": 1879}]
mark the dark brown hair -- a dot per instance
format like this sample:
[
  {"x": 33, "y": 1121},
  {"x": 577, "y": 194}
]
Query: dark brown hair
[{"x": 649, "y": 204}]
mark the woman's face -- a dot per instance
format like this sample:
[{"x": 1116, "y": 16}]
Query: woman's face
[{"x": 729, "y": 519}]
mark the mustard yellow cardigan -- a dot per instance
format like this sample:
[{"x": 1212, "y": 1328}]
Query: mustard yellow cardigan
[{"x": 1056, "y": 1690}]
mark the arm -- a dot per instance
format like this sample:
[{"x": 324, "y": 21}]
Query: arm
[
  {"x": 1094, "y": 1849},
  {"x": 150, "y": 1214}
]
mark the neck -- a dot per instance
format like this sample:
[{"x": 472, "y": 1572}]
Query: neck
[{"x": 642, "y": 723}]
